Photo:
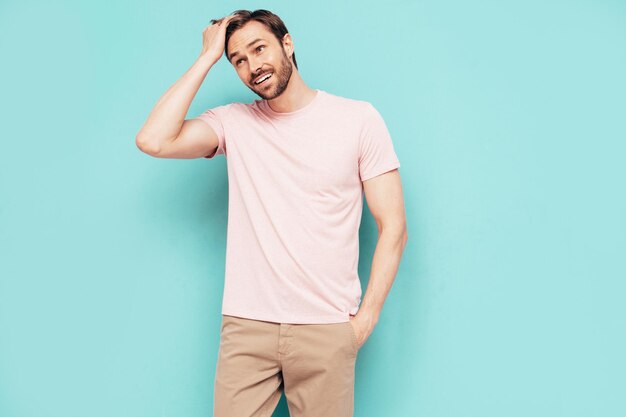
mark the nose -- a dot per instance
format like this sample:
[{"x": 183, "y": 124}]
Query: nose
[{"x": 255, "y": 66}]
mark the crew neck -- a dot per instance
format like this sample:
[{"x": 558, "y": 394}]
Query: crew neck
[{"x": 265, "y": 105}]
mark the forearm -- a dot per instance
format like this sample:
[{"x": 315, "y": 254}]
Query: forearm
[
  {"x": 385, "y": 262},
  {"x": 167, "y": 118}
]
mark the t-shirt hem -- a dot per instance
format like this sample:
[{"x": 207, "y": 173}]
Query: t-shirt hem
[
  {"x": 380, "y": 172},
  {"x": 291, "y": 319}
]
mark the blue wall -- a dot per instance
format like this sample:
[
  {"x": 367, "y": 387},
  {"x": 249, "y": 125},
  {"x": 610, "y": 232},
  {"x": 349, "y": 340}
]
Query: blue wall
[{"x": 507, "y": 117}]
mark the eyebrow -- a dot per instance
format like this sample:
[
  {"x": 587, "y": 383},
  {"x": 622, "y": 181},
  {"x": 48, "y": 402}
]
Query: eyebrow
[{"x": 230, "y": 58}]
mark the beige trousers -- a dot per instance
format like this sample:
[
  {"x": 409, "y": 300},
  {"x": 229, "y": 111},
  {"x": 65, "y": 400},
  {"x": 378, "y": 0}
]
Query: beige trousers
[{"x": 313, "y": 363}]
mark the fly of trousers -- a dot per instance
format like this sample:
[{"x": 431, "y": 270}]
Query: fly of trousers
[{"x": 312, "y": 363}]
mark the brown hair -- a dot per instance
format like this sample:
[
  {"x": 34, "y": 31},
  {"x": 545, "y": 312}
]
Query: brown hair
[{"x": 269, "y": 19}]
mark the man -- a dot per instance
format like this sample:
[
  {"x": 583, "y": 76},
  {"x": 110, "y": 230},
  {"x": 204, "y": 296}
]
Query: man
[{"x": 299, "y": 160}]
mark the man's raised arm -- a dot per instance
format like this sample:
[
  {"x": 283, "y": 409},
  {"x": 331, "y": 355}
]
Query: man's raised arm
[{"x": 166, "y": 133}]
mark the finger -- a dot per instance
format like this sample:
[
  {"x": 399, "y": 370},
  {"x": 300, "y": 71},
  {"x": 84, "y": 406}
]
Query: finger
[
  {"x": 219, "y": 21},
  {"x": 225, "y": 21}
]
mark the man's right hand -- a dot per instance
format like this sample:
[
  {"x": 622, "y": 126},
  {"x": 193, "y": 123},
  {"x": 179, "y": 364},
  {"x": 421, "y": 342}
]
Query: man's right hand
[{"x": 213, "y": 39}]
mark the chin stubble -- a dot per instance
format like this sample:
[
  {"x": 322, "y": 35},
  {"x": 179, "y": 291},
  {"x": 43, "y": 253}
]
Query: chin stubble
[{"x": 282, "y": 79}]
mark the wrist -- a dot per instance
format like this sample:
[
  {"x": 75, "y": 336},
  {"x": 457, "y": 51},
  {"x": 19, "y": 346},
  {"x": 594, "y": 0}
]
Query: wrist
[
  {"x": 206, "y": 61},
  {"x": 369, "y": 315}
]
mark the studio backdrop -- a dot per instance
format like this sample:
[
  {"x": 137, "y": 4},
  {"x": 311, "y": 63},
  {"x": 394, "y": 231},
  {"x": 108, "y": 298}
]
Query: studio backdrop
[{"x": 507, "y": 118}]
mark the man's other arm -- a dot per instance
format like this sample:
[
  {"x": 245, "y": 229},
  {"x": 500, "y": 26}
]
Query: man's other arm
[{"x": 386, "y": 203}]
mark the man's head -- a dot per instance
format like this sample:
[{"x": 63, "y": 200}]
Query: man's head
[{"x": 258, "y": 44}]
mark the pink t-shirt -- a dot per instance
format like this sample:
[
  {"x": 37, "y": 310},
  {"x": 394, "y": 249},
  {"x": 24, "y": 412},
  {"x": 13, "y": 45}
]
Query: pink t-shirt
[{"x": 295, "y": 204}]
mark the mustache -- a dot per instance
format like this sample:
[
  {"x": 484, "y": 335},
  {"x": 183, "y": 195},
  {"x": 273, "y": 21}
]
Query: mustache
[{"x": 255, "y": 76}]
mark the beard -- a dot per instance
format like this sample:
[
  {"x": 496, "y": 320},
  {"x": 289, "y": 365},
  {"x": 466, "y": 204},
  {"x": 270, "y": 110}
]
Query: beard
[{"x": 281, "y": 80}]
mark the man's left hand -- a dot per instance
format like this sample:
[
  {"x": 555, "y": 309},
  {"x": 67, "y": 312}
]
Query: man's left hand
[{"x": 363, "y": 325}]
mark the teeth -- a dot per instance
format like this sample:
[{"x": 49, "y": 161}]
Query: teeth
[{"x": 263, "y": 79}]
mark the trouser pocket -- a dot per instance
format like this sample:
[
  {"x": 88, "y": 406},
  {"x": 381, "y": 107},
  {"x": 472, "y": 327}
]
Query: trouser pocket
[{"x": 355, "y": 342}]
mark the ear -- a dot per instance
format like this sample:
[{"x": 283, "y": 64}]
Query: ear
[{"x": 288, "y": 44}]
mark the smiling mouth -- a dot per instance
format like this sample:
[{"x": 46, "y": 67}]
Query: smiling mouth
[{"x": 263, "y": 78}]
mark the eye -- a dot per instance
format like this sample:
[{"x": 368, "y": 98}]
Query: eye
[
  {"x": 259, "y": 47},
  {"x": 238, "y": 61}
]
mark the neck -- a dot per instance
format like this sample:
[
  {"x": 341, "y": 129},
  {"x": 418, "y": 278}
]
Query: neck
[{"x": 296, "y": 95}]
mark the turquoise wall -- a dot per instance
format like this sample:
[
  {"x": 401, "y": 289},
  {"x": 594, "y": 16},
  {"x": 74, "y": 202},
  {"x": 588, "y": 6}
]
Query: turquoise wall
[{"x": 508, "y": 119}]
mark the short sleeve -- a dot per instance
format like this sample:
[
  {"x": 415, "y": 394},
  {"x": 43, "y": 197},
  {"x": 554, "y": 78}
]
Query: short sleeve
[
  {"x": 376, "y": 151},
  {"x": 215, "y": 118}
]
